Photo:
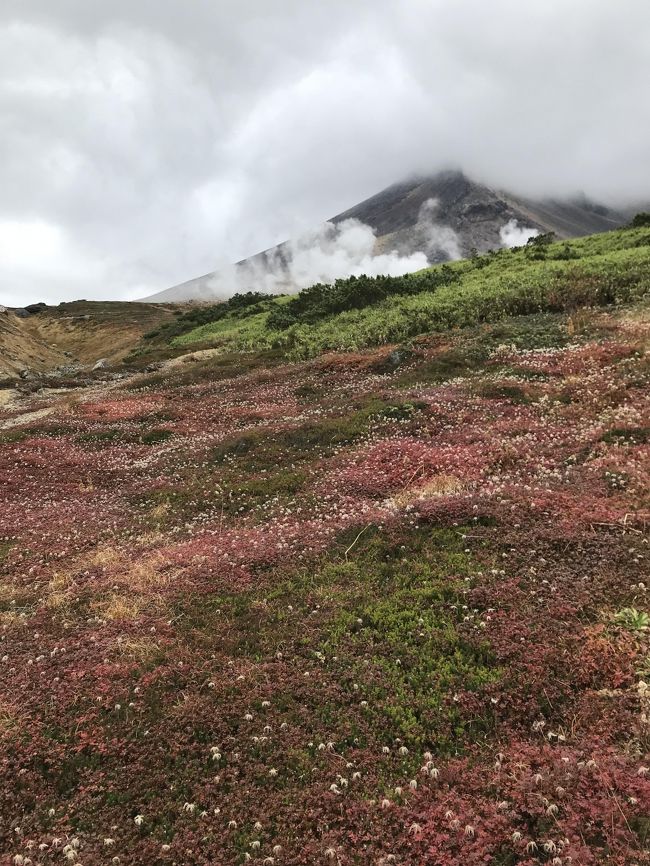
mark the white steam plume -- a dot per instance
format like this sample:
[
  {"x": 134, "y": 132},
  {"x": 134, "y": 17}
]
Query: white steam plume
[
  {"x": 514, "y": 235},
  {"x": 336, "y": 250},
  {"x": 440, "y": 241}
]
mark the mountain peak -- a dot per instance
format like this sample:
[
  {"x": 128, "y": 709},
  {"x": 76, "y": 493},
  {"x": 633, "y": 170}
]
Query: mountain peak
[{"x": 441, "y": 216}]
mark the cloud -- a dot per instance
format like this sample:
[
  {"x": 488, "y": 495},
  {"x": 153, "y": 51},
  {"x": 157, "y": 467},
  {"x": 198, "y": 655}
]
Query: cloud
[
  {"x": 160, "y": 138},
  {"x": 514, "y": 235}
]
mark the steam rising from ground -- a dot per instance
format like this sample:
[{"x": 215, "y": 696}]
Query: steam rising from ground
[
  {"x": 514, "y": 235},
  {"x": 336, "y": 250}
]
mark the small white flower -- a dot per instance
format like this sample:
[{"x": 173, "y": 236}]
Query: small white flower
[{"x": 138, "y": 820}]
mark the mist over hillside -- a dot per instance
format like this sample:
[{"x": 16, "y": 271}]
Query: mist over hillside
[{"x": 404, "y": 228}]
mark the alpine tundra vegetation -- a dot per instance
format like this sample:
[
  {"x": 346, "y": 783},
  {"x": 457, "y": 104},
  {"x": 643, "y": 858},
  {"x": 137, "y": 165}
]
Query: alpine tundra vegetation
[{"x": 357, "y": 576}]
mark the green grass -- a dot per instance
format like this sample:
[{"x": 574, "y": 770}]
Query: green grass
[
  {"x": 396, "y": 633},
  {"x": 382, "y": 616},
  {"x": 603, "y": 269}
]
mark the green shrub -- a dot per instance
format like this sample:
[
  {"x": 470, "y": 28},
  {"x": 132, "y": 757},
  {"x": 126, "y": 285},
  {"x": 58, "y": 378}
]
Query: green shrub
[
  {"x": 354, "y": 293},
  {"x": 153, "y": 437},
  {"x": 640, "y": 220}
]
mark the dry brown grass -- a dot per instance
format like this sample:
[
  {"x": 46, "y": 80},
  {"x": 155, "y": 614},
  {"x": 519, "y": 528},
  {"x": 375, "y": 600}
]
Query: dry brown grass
[
  {"x": 105, "y": 556},
  {"x": 14, "y": 599},
  {"x": 7, "y": 593},
  {"x": 118, "y": 606},
  {"x": 137, "y": 588},
  {"x": 59, "y": 595},
  {"x": 580, "y": 322},
  {"x": 8, "y": 718},
  {"x": 142, "y": 650},
  {"x": 439, "y": 485},
  {"x": 160, "y": 511},
  {"x": 9, "y": 618},
  {"x": 147, "y": 575}
]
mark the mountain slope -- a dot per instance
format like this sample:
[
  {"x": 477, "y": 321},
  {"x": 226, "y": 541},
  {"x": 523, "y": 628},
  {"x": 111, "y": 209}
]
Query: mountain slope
[
  {"x": 605, "y": 268},
  {"x": 383, "y": 606},
  {"x": 466, "y": 215}
]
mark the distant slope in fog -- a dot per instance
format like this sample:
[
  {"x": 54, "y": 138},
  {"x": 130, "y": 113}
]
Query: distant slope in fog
[{"x": 474, "y": 212}]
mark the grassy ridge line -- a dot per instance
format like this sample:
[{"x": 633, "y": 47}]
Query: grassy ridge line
[{"x": 597, "y": 270}]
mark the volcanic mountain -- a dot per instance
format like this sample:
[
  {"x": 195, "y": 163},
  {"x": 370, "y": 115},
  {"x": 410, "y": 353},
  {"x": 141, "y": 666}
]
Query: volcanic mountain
[{"x": 444, "y": 216}]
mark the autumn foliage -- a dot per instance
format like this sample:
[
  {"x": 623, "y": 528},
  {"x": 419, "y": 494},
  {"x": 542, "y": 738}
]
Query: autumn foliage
[{"x": 324, "y": 614}]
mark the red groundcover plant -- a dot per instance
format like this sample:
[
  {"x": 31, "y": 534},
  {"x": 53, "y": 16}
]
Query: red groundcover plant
[{"x": 324, "y": 614}]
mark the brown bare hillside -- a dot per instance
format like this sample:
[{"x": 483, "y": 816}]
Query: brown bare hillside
[{"x": 80, "y": 331}]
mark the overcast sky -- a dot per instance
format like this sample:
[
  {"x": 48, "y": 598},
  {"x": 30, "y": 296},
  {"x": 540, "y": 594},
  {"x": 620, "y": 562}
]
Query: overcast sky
[{"x": 143, "y": 142}]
